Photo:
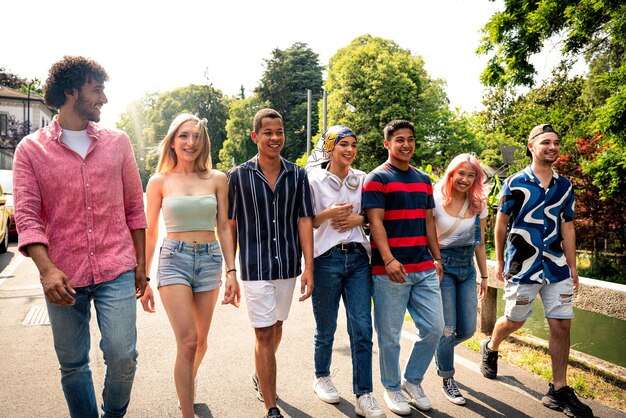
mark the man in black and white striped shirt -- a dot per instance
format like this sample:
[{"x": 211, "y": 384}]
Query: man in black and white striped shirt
[{"x": 270, "y": 212}]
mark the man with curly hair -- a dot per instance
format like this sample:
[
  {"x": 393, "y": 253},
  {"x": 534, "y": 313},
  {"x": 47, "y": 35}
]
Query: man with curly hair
[{"x": 79, "y": 213}]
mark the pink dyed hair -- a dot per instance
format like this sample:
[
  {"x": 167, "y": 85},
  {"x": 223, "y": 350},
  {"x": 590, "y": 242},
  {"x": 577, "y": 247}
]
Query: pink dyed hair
[{"x": 478, "y": 192}]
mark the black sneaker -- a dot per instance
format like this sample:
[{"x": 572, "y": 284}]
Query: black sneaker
[
  {"x": 274, "y": 413},
  {"x": 565, "y": 400},
  {"x": 452, "y": 392},
  {"x": 489, "y": 361}
]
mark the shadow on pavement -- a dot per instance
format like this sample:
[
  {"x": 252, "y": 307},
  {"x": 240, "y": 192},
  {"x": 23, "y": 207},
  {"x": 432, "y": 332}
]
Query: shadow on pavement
[
  {"x": 497, "y": 408},
  {"x": 290, "y": 410}
]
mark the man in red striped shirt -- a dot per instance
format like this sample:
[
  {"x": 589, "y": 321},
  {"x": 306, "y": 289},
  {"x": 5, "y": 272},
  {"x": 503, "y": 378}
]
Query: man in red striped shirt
[
  {"x": 406, "y": 266},
  {"x": 79, "y": 214}
]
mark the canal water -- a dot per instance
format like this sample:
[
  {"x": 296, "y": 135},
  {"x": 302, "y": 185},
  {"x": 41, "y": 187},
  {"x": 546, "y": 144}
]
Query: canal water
[{"x": 594, "y": 334}]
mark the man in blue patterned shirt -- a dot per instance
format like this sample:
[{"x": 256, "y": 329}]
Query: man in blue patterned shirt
[{"x": 540, "y": 259}]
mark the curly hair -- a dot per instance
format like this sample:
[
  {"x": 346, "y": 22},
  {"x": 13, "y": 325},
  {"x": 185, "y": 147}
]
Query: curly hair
[{"x": 72, "y": 72}]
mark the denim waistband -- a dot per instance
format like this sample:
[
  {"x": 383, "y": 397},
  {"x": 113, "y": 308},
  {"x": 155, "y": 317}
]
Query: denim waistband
[
  {"x": 460, "y": 254},
  {"x": 188, "y": 247}
]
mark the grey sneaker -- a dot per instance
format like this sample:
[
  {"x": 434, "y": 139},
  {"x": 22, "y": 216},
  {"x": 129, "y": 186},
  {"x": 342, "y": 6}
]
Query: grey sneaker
[
  {"x": 257, "y": 387},
  {"x": 325, "y": 389},
  {"x": 396, "y": 402},
  {"x": 366, "y": 406},
  {"x": 452, "y": 392},
  {"x": 416, "y": 395}
]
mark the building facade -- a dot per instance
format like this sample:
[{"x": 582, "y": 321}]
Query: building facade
[{"x": 20, "y": 114}]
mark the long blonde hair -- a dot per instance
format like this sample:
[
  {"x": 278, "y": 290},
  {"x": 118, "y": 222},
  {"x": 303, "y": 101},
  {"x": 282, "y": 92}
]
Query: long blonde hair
[{"x": 167, "y": 155}]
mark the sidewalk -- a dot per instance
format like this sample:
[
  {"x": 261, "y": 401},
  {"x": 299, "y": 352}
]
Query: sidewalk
[{"x": 31, "y": 387}]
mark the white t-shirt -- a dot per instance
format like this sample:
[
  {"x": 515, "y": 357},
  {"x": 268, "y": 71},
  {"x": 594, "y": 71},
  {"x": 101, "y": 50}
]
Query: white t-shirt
[
  {"x": 324, "y": 196},
  {"x": 464, "y": 230},
  {"x": 78, "y": 141}
]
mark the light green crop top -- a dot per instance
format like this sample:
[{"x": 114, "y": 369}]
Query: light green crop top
[{"x": 189, "y": 213}]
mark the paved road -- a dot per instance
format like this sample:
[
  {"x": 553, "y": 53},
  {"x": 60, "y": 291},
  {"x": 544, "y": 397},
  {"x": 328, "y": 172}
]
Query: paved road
[{"x": 30, "y": 379}]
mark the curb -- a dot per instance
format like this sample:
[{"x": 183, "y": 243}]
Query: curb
[{"x": 613, "y": 372}]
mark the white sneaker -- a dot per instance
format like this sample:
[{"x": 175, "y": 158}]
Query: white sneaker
[
  {"x": 416, "y": 395},
  {"x": 396, "y": 402},
  {"x": 325, "y": 389},
  {"x": 452, "y": 392},
  {"x": 366, "y": 406}
]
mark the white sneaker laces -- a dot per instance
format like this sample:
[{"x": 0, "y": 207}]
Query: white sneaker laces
[
  {"x": 327, "y": 385},
  {"x": 397, "y": 396},
  {"x": 369, "y": 403},
  {"x": 452, "y": 388}
]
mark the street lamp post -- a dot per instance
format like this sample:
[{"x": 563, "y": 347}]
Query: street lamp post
[{"x": 30, "y": 85}]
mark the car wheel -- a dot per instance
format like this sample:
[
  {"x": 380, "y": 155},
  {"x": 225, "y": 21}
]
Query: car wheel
[{"x": 5, "y": 241}]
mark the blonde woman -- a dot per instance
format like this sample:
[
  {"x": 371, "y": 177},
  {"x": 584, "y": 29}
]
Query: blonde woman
[{"x": 194, "y": 201}]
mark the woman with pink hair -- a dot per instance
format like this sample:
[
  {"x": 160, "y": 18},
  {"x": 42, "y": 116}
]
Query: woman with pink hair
[{"x": 460, "y": 212}]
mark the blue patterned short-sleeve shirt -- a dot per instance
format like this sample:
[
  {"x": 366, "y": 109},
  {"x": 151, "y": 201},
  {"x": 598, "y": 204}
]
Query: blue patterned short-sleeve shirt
[{"x": 534, "y": 247}]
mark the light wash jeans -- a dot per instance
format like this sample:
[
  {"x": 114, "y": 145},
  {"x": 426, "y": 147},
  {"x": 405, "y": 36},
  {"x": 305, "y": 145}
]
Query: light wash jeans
[
  {"x": 421, "y": 295},
  {"x": 116, "y": 311},
  {"x": 346, "y": 275},
  {"x": 460, "y": 304}
]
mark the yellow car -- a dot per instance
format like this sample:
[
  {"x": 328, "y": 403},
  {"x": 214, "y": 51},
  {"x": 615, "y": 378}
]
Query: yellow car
[
  {"x": 6, "y": 182},
  {"x": 5, "y": 222}
]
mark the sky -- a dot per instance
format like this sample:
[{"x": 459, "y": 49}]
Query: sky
[{"x": 157, "y": 46}]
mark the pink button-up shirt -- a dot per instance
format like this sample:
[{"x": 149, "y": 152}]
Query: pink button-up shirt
[{"x": 82, "y": 209}]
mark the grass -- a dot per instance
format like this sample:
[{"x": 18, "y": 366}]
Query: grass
[{"x": 584, "y": 381}]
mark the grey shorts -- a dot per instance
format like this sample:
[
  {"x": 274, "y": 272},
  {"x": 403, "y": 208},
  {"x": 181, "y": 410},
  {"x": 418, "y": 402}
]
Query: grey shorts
[
  {"x": 556, "y": 299},
  {"x": 198, "y": 266}
]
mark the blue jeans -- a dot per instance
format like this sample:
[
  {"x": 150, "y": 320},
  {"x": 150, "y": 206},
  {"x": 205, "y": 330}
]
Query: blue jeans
[
  {"x": 421, "y": 295},
  {"x": 460, "y": 304},
  {"x": 116, "y": 311},
  {"x": 346, "y": 275}
]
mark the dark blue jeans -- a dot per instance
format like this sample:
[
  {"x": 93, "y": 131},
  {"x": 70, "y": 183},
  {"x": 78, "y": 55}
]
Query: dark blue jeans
[
  {"x": 340, "y": 274},
  {"x": 460, "y": 303}
]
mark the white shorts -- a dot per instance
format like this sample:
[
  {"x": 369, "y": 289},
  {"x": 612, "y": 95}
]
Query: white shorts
[
  {"x": 268, "y": 301},
  {"x": 556, "y": 299}
]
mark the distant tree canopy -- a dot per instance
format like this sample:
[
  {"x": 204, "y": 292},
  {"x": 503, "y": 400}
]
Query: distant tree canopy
[
  {"x": 288, "y": 75},
  {"x": 11, "y": 80},
  {"x": 238, "y": 146},
  {"x": 373, "y": 81}
]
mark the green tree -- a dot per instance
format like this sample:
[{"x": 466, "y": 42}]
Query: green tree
[
  {"x": 238, "y": 146},
  {"x": 288, "y": 75},
  {"x": 133, "y": 122},
  {"x": 146, "y": 121},
  {"x": 373, "y": 81},
  {"x": 202, "y": 100},
  {"x": 593, "y": 30}
]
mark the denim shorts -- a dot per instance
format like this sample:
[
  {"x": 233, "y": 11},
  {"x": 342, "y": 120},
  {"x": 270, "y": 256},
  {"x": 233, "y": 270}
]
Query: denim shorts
[
  {"x": 556, "y": 298},
  {"x": 198, "y": 266}
]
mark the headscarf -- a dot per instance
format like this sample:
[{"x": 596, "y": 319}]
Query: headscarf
[{"x": 326, "y": 143}]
